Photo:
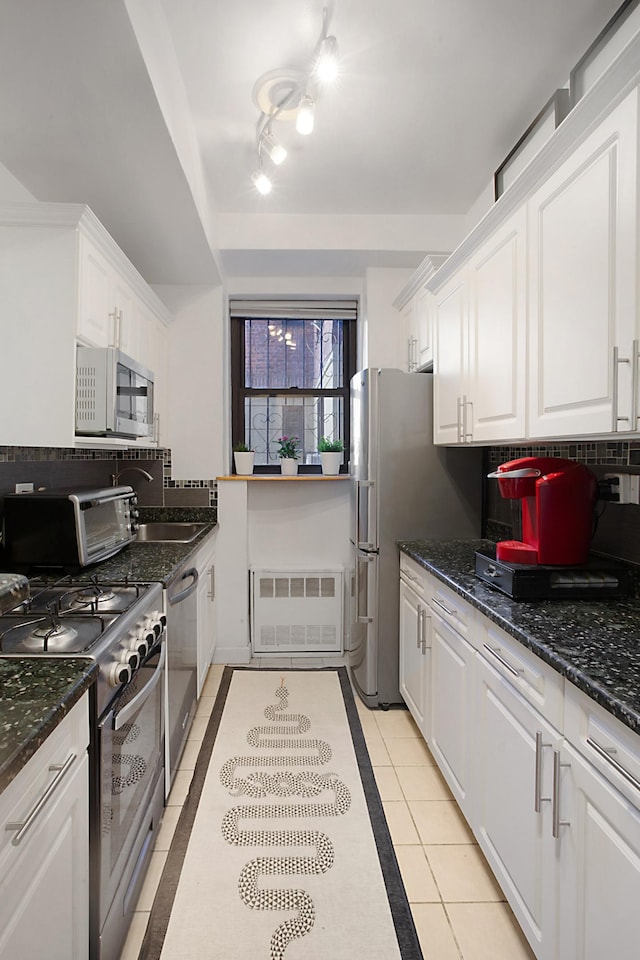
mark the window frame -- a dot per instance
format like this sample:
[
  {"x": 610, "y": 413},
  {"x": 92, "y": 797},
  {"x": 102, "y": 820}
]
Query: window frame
[{"x": 239, "y": 391}]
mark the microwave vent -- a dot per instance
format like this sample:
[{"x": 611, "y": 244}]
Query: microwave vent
[{"x": 91, "y": 396}]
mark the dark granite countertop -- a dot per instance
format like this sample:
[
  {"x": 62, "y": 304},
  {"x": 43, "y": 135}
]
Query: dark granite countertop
[
  {"x": 153, "y": 562},
  {"x": 595, "y": 644},
  {"x": 35, "y": 694}
]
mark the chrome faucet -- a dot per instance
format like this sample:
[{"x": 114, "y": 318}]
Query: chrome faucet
[{"x": 116, "y": 476}]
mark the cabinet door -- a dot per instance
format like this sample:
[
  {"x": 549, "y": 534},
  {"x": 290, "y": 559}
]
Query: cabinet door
[
  {"x": 206, "y": 622},
  {"x": 497, "y": 335},
  {"x": 45, "y": 892},
  {"x": 452, "y": 678},
  {"x": 515, "y": 837},
  {"x": 409, "y": 335},
  {"x": 96, "y": 316},
  {"x": 600, "y": 864},
  {"x": 414, "y": 654},
  {"x": 450, "y": 360},
  {"x": 583, "y": 269},
  {"x": 423, "y": 322},
  {"x": 159, "y": 365}
]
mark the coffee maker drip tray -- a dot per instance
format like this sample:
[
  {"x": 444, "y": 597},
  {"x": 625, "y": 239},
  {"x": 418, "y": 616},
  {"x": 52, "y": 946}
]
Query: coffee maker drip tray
[{"x": 598, "y": 579}]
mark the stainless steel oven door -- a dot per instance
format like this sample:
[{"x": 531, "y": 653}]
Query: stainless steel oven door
[{"x": 131, "y": 752}]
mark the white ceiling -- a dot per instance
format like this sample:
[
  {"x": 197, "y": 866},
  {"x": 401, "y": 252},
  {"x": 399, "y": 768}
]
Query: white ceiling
[{"x": 144, "y": 110}]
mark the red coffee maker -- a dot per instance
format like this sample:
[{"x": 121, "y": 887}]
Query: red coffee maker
[{"x": 558, "y": 500}]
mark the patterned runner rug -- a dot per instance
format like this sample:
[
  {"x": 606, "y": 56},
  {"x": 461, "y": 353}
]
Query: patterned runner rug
[{"x": 282, "y": 851}]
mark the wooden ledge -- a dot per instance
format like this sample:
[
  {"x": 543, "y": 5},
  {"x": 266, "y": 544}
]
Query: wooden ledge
[{"x": 304, "y": 477}]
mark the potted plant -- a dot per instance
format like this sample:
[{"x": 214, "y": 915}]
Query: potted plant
[
  {"x": 243, "y": 458},
  {"x": 288, "y": 453},
  {"x": 330, "y": 455}
]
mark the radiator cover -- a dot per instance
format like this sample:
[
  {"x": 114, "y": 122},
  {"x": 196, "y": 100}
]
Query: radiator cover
[{"x": 296, "y": 611}]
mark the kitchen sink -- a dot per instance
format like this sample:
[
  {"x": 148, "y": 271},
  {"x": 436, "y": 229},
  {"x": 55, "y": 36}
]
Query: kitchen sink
[{"x": 168, "y": 532}]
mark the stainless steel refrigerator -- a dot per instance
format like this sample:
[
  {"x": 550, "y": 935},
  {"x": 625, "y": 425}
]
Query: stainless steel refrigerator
[{"x": 402, "y": 488}]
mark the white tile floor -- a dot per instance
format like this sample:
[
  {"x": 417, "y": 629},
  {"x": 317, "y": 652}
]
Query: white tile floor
[{"x": 458, "y": 908}]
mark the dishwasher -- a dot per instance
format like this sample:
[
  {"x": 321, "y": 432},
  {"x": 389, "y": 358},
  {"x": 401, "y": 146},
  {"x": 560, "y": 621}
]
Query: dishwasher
[{"x": 182, "y": 664}]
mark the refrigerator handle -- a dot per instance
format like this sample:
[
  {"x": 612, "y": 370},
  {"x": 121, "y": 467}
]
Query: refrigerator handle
[
  {"x": 362, "y": 617},
  {"x": 370, "y": 543}
]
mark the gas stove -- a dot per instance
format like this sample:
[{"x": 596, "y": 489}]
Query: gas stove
[{"x": 115, "y": 624}]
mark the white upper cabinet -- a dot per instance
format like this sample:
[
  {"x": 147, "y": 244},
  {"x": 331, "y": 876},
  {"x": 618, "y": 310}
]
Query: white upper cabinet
[
  {"x": 64, "y": 280},
  {"x": 416, "y": 305},
  {"x": 583, "y": 276},
  {"x": 536, "y": 326},
  {"x": 496, "y": 382},
  {"x": 450, "y": 362}
]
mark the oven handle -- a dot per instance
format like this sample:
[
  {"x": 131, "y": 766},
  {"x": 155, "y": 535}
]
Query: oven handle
[
  {"x": 134, "y": 705},
  {"x": 183, "y": 594}
]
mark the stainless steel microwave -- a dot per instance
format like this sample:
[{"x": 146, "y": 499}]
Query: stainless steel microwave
[
  {"x": 68, "y": 528},
  {"x": 114, "y": 394}
]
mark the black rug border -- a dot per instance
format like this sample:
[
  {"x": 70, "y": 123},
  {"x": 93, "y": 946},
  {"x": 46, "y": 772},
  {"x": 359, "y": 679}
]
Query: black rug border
[{"x": 159, "y": 917}]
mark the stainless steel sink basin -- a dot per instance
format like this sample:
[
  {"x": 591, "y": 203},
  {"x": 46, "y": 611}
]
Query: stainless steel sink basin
[{"x": 168, "y": 532}]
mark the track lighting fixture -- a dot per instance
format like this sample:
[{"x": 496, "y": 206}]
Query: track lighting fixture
[
  {"x": 326, "y": 68},
  {"x": 305, "y": 117},
  {"x": 261, "y": 182},
  {"x": 283, "y": 95},
  {"x": 276, "y": 152}
]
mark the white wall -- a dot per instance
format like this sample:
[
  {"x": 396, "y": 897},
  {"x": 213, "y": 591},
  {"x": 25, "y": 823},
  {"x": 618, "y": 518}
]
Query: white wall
[
  {"x": 11, "y": 190},
  {"x": 198, "y": 407}
]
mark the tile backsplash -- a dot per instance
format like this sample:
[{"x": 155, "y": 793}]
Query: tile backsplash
[
  {"x": 617, "y": 532},
  {"x": 53, "y": 467}
]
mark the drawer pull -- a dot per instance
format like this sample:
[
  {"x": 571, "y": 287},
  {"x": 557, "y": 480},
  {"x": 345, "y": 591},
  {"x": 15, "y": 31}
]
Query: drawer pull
[
  {"x": 517, "y": 672},
  {"x": 23, "y": 827},
  {"x": 409, "y": 576},
  {"x": 556, "y": 822},
  {"x": 450, "y": 613},
  {"x": 605, "y": 753},
  {"x": 538, "y": 800}
]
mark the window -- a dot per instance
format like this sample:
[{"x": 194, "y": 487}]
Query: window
[{"x": 291, "y": 366}]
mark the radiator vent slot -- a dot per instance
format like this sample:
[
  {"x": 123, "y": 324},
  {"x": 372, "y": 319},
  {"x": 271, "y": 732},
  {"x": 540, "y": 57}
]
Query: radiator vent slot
[{"x": 296, "y": 611}]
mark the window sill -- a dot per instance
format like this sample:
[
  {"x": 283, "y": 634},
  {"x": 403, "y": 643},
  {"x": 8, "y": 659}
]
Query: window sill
[{"x": 270, "y": 477}]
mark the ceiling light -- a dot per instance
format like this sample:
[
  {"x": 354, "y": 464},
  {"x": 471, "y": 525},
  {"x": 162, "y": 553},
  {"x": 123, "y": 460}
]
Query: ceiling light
[
  {"x": 304, "y": 120},
  {"x": 261, "y": 182},
  {"x": 326, "y": 68},
  {"x": 283, "y": 95},
  {"x": 275, "y": 150}
]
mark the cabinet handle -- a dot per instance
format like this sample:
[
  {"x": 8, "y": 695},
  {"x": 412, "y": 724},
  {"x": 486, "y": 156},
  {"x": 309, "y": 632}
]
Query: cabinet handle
[
  {"x": 459, "y": 405},
  {"x": 635, "y": 356},
  {"x": 450, "y": 613},
  {"x": 516, "y": 671},
  {"x": 538, "y": 799},
  {"x": 156, "y": 427},
  {"x": 555, "y": 816},
  {"x": 24, "y": 826},
  {"x": 467, "y": 435},
  {"x": 606, "y": 755},
  {"x": 617, "y": 360},
  {"x": 212, "y": 584},
  {"x": 423, "y": 617},
  {"x": 409, "y": 576}
]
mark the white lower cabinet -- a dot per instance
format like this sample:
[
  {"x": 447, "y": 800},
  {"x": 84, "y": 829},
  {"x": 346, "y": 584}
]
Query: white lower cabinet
[
  {"x": 451, "y": 708},
  {"x": 548, "y": 780},
  {"x": 206, "y": 594},
  {"x": 512, "y": 815},
  {"x": 415, "y": 630},
  {"x": 44, "y": 866}
]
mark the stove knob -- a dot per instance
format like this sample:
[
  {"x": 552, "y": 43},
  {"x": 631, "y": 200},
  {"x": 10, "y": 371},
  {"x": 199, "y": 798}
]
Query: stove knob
[
  {"x": 140, "y": 645},
  {"x": 131, "y": 657},
  {"x": 118, "y": 674}
]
